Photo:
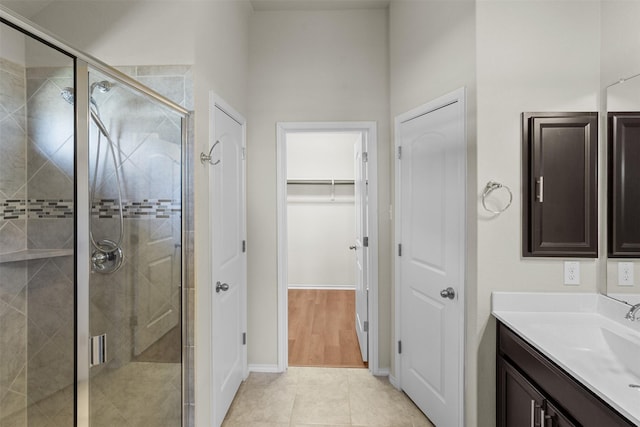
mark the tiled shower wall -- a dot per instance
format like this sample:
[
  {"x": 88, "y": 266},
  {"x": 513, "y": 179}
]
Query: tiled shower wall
[
  {"x": 36, "y": 297},
  {"x": 13, "y": 276}
]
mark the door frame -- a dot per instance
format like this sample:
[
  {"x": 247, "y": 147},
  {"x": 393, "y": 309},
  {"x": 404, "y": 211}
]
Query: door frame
[
  {"x": 370, "y": 130},
  {"x": 458, "y": 95},
  {"x": 216, "y": 101}
]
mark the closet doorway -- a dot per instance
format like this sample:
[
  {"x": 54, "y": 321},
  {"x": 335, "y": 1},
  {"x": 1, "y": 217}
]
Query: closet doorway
[{"x": 327, "y": 245}]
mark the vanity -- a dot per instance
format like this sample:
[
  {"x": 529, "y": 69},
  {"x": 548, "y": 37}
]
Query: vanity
[{"x": 566, "y": 359}]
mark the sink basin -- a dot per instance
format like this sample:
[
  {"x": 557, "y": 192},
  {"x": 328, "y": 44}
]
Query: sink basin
[
  {"x": 583, "y": 336},
  {"x": 625, "y": 349}
]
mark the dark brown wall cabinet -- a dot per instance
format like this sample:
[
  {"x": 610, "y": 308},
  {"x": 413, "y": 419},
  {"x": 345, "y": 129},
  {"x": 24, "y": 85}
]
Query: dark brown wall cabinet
[
  {"x": 624, "y": 191},
  {"x": 560, "y": 196},
  {"x": 533, "y": 391}
]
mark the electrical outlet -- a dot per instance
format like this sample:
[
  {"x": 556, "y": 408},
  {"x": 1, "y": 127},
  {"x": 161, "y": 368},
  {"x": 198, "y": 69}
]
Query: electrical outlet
[
  {"x": 625, "y": 274},
  {"x": 571, "y": 273}
]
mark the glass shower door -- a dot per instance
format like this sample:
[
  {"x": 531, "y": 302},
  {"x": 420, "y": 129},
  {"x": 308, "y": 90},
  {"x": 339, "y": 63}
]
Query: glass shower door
[
  {"x": 37, "y": 236},
  {"x": 135, "y": 173}
]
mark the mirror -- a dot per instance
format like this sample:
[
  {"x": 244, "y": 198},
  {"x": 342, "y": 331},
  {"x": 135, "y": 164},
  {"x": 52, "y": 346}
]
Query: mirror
[{"x": 623, "y": 189}]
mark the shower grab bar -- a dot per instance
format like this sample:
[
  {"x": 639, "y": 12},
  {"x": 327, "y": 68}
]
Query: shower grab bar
[{"x": 207, "y": 157}]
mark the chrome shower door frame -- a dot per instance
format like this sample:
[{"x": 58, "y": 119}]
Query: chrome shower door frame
[{"x": 82, "y": 245}]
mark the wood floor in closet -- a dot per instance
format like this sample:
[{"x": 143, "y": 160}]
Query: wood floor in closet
[{"x": 322, "y": 329}]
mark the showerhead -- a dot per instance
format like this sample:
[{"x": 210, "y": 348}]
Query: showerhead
[
  {"x": 103, "y": 86},
  {"x": 67, "y": 95}
]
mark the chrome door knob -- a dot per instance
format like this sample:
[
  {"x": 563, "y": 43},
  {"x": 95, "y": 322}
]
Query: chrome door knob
[
  {"x": 448, "y": 293},
  {"x": 221, "y": 287},
  {"x": 353, "y": 248}
]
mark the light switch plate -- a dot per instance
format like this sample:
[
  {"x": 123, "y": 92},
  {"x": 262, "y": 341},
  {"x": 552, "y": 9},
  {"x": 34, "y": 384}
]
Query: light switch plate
[
  {"x": 571, "y": 273},
  {"x": 625, "y": 273}
]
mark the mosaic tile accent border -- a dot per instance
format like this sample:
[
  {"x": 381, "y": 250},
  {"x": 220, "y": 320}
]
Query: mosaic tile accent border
[
  {"x": 17, "y": 209},
  {"x": 49, "y": 209},
  {"x": 147, "y": 208},
  {"x": 13, "y": 209}
]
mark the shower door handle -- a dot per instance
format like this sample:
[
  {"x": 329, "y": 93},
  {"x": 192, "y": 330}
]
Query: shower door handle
[
  {"x": 221, "y": 287},
  {"x": 98, "y": 350}
]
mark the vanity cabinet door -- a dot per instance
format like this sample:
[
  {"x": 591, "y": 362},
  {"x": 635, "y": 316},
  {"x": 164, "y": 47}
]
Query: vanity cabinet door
[
  {"x": 559, "y": 182},
  {"x": 519, "y": 403},
  {"x": 555, "y": 418},
  {"x": 623, "y": 178}
]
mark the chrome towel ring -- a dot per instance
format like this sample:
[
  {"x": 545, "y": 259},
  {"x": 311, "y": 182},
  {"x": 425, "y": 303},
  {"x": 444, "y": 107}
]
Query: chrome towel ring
[
  {"x": 488, "y": 189},
  {"x": 207, "y": 157}
]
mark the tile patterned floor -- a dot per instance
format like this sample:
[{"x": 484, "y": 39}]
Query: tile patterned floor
[{"x": 322, "y": 397}]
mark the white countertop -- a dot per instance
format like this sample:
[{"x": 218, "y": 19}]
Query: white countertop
[{"x": 585, "y": 334}]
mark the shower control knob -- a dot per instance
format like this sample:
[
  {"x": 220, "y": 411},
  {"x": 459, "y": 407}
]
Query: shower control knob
[{"x": 221, "y": 287}]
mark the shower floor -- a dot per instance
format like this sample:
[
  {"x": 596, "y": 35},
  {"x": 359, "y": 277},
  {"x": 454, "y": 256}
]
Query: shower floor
[{"x": 138, "y": 394}]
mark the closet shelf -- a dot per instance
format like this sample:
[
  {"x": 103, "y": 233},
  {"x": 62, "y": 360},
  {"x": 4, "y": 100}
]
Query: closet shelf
[
  {"x": 30, "y": 254},
  {"x": 320, "y": 182}
]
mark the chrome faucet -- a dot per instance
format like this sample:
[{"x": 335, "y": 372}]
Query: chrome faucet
[{"x": 631, "y": 315}]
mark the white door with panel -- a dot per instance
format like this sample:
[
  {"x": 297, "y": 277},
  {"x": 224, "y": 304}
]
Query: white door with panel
[
  {"x": 361, "y": 247},
  {"x": 431, "y": 256},
  {"x": 228, "y": 261}
]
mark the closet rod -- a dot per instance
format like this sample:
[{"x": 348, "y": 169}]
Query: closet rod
[{"x": 320, "y": 181}]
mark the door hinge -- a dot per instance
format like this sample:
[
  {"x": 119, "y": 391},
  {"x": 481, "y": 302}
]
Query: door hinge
[
  {"x": 244, "y": 246},
  {"x": 400, "y": 152},
  {"x": 365, "y": 242},
  {"x": 244, "y": 338},
  {"x": 399, "y": 249},
  {"x": 365, "y": 327},
  {"x": 365, "y": 157},
  {"x": 399, "y": 347}
]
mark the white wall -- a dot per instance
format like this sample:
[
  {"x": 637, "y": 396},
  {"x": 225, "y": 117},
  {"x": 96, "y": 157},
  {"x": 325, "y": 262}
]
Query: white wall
[
  {"x": 321, "y": 218},
  {"x": 12, "y": 46},
  {"x": 210, "y": 35},
  {"x": 309, "y": 66},
  {"x": 531, "y": 56},
  {"x": 432, "y": 51}
]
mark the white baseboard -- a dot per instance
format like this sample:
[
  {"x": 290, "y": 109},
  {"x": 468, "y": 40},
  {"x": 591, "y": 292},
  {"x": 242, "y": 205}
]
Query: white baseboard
[
  {"x": 394, "y": 382},
  {"x": 271, "y": 369},
  {"x": 323, "y": 287},
  {"x": 381, "y": 372}
]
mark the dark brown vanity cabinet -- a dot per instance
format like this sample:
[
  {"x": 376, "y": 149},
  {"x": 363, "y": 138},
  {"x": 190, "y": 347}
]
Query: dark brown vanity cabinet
[
  {"x": 533, "y": 392},
  {"x": 623, "y": 178},
  {"x": 523, "y": 404},
  {"x": 559, "y": 182}
]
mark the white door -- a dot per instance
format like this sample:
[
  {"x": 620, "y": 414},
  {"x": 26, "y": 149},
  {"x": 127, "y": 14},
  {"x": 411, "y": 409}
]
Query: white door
[
  {"x": 361, "y": 250},
  {"x": 228, "y": 260},
  {"x": 432, "y": 174}
]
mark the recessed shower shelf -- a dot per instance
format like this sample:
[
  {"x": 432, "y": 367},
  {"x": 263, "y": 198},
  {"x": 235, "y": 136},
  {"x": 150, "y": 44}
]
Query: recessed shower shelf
[{"x": 30, "y": 254}]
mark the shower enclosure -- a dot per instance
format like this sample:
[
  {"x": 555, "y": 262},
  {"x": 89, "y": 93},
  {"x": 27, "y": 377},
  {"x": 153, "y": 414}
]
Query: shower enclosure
[{"x": 93, "y": 238}]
